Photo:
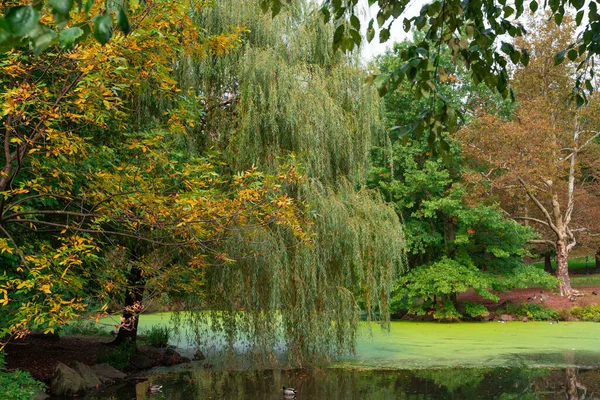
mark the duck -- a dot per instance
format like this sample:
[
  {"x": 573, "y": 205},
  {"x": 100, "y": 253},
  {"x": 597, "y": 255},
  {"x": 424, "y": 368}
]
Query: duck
[
  {"x": 287, "y": 391},
  {"x": 152, "y": 388}
]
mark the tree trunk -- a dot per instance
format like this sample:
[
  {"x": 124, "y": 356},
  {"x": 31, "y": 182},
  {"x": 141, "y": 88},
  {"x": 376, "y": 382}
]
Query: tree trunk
[
  {"x": 548, "y": 262},
  {"x": 133, "y": 301},
  {"x": 571, "y": 385},
  {"x": 598, "y": 259},
  {"x": 562, "y": 268}
]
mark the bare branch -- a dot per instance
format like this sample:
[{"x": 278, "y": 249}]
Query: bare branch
[
  {"x": 540, "y": 206},
  {"x": 573, "y": 240},
  {"x": 541, "y": 241},
  {"x": 539, "y": 221}
]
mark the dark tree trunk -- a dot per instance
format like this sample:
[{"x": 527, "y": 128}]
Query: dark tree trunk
[
  {"x": 548, "y": 262},
  {"x": 598, "y": 259},
  {"x": 133, "y": 299}
]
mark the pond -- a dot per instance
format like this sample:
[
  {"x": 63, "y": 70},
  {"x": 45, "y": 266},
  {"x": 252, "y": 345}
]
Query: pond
[
  {"x": 339, "y": 384},
  {"x": 414, "y": 360},
  {"x": 468, "y": 344}
]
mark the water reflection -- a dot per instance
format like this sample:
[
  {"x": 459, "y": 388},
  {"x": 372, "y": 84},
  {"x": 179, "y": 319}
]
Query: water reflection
[{"x": 337, "y": 384}]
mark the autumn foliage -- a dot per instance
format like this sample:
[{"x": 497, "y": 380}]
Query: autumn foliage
[{"x": 87, "y": 171}]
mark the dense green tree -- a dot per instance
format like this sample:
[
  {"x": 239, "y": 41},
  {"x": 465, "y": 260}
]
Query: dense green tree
[{"x": 453, "y": 242}]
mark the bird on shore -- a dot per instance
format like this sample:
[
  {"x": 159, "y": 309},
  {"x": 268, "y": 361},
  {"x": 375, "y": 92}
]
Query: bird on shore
[{"x": 287, "y": 391}]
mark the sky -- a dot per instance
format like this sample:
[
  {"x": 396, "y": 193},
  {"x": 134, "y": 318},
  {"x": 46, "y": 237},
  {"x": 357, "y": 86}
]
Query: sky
[{"x": 397, "y": 34}]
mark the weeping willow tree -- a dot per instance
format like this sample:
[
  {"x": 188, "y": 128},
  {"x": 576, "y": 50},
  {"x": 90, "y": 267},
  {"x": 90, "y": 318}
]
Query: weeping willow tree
[{"x": 285, "y": 95}]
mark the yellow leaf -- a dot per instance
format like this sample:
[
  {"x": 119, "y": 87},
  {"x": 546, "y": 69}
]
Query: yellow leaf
[{"x": 4, "y": 301}]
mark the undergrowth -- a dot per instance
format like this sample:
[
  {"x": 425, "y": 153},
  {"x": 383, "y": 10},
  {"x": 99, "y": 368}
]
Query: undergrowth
[
  {"x": 17, "y": 385},
  {"x": 531, "y": 311}
]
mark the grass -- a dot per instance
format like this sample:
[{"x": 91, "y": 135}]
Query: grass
[
  {"x": 585, "y": 280},
  {"x": 574, "y": 263}
]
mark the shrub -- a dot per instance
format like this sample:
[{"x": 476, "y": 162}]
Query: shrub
[
  {"x": 120, "y": 355},
  {"x": 589, "y": 313},
  {"x": 158, "y": 336},
  {"x": 532, "y": 311},
  {"x": 431, "y": 289},
  {"x": 475, "y": 310},
  {"x": 17, "y": 385},
  {"x": 564, "y": 314}
]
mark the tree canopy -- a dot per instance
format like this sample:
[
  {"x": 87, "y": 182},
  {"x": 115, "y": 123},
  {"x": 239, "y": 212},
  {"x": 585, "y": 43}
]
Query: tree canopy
[{"x": 480, "y": 35}]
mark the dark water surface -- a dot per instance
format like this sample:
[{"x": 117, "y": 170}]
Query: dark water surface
[{"x": 338, "y": 384}]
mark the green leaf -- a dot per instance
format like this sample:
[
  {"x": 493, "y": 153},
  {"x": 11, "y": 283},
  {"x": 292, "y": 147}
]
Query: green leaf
[
  {"x": 519, "y": 7},
  {"x": 103, "y": 28},
  {"x": 578, "y": 4},
  {"x": 579, "y": 18},
  {"x": 370, "y": 32},
  {"x": 42, "y": 37},
  {"x": 558, "y": 18},
  {"x": 21, "y": 20},
  {"x": 275, "y": 8},
  {"x": 381, "y": 18},
  {"x": 406, "y": 25},
  {"x": 123, "y": 21},
  {"x": 525, "y": 57},
  {"x": 338, "y": 35},
  {"x": 384, "y": 35},
  {"x": 61, "y": 6},
  {"x": 533, "y": 6},
  {"x": 355, "y": 22},
  {"x": 508, "y": 11},
  {"x": 572, "y": 54},
  {"x": 88, "y": 6},
  {"x": 68, "y": 36},
  {"x": 559, "y": 57},
  {"x": 355, "y": 36}
]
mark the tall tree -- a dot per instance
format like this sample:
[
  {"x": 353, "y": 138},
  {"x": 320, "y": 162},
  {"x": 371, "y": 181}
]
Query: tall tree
[
  {"x": 289, "y": 95},
  {"x": 535, "y": 159},
  {"x": 78, "y": 185},
  {"x": 453, "y": 243}
]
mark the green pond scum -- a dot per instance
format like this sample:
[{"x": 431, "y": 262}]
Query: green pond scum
[{"x": 410, "y": 345}]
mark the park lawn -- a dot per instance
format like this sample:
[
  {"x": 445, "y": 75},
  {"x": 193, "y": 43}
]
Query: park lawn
[
  {"x": 585, "y": 280},
  {"x": 574, "y": 263}
]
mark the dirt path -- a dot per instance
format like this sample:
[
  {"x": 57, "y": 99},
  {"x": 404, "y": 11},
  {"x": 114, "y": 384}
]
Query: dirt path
[{"x": 541, "y": 296}]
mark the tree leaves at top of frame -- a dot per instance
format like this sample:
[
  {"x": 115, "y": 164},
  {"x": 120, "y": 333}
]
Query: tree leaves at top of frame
[
  {"x": 471, "y": 29},
  {"x": 21, "y": 24}
]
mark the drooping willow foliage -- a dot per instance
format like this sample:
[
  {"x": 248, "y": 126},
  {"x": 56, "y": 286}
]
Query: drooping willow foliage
[{"x": 284, "y": 93}]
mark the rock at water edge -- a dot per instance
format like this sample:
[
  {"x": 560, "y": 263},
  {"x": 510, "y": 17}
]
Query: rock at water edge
[
  {"x": 66, "y": 381},
  {"x": 89, "y": 377},
  {"x": 106, "y": 372}
]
